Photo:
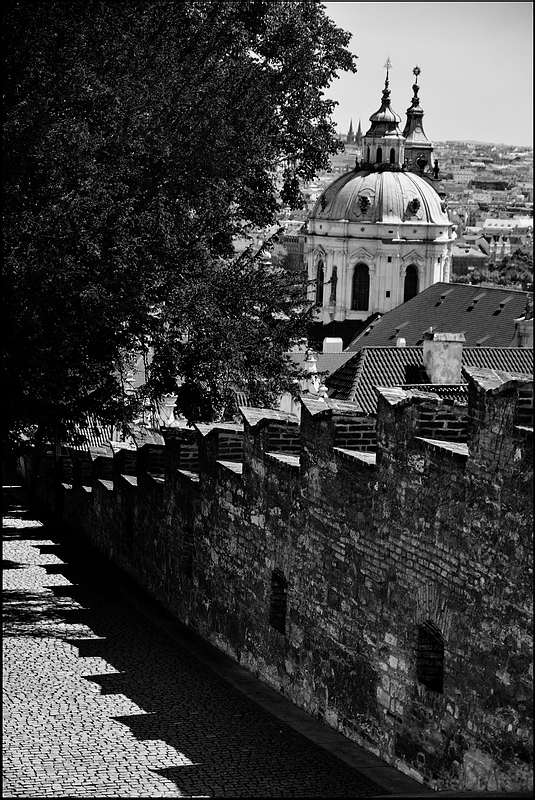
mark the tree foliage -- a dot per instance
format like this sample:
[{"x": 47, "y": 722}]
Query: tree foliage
[
  {"x": 140, "y": 138},
  {"x": 515, "y": 271}
]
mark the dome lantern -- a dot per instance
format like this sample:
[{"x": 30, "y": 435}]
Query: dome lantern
[{"x": 383, "y": 143}]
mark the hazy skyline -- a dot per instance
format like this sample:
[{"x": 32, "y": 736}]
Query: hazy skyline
[{"x": 476, "y": 62}]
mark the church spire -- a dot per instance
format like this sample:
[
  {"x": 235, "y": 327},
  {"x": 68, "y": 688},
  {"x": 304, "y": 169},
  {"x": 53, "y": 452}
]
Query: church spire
[
  {"x": 350, "y": 134},
  {"x": 418, "y": 148},
  {"x": 358, "y": 136},
  {"x": 383, "y": 142}
]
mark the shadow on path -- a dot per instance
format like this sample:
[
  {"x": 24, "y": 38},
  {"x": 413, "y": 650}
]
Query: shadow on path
[{"x": 237, "y": 748}]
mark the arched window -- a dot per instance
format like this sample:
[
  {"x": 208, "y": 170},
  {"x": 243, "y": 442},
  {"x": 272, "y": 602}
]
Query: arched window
[
  {"x": 368, "y": 154},
  {"x": 320, "y": 280},
  {"x": 278, "y": 601},
  {"x": 379, "y": 157},
  {"x": 392, "y": 156},
  {"x": 410, "y": 288},
  {"x": 430, "y": 657},
  {"x": 361, "y": 288}
]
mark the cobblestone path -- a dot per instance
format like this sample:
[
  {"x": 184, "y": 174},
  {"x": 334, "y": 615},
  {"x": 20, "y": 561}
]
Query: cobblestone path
[{"x": 98, "y": 702}]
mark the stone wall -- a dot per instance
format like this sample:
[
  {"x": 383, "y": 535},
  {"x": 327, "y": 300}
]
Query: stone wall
[{"x": 387, "y": 592}]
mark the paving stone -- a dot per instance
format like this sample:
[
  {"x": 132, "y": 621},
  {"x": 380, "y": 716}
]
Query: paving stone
[{"x": 144, "y": 718}]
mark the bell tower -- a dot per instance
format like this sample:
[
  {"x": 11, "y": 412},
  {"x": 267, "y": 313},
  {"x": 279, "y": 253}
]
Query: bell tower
[{"x": 418, "y": 148}]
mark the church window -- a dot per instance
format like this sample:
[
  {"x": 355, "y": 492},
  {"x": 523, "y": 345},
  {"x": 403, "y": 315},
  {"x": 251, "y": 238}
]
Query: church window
[
  {"x": 278, "y": 601},
  {"x": 410, "y": 289},
  {"x": 379, "y": 157},
  {"x": 320, "y": 279},
  {"x": 430, "y": 657},
  {"x": 392, "y": 156},
  {"x": 368, "y": 154},
  {"x": 361, "y": 288}
]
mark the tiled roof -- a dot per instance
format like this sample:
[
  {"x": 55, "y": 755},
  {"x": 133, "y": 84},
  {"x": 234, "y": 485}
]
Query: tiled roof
[
  {"x": 401, "y": 366},
  {"x": 485, "y": 315},
  {"x": 326, "y": 363}
]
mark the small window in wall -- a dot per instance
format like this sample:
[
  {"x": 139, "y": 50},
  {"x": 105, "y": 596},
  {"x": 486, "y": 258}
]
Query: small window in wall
[
  {"x": 379, "y": 157},
  {"x": 410, "y": 288},
  {"x": 361, "y": 288},
  {"x": 368, "y": 154},
  {"x": 392, "y": 156},
  {"x": 320, "y": 279},
  {"x": 278, "y": 601},
  {"x": 430, "y": 657}
]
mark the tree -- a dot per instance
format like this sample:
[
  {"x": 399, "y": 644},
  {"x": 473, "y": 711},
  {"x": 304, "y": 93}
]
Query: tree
[
  {"x": 139, "y": 139},
  {"x": 512, "y": 271}
]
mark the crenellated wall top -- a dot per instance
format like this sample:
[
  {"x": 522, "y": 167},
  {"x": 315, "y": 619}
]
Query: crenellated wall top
[
  {"x": 258, "y": 417},
  {"x": 493, "y": 381}
]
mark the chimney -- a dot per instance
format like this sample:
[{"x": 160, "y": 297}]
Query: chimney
[
  {"x": 333, "y": 345},
  {"x": 523, "y": 333},
  {"x": 443, "y": 353}
]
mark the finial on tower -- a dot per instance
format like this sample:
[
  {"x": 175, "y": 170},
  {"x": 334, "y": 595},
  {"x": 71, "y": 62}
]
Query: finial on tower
[
  {"x": 388, "y": 67},
  {"x": 415, "y": 88}
]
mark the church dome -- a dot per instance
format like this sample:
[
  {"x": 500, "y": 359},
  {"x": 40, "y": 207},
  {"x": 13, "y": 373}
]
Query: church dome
[{"x": 389, "y": 196}]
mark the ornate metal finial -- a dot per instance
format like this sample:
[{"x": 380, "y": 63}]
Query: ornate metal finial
[
  {"x": 388, "y": 66},
  {"x": 415, "y": 88}
]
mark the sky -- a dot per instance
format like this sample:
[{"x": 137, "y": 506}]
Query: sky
[{"x": 476, "y": 62}]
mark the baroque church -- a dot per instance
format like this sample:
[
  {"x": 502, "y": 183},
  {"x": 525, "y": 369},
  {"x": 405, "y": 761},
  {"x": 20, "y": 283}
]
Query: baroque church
[{"x": 380, "y": 234}]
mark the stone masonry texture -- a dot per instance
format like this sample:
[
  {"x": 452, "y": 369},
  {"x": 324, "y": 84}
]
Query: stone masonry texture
[
  {"x": 404, "y": 574},
  {"x": 99, "y": 703}
]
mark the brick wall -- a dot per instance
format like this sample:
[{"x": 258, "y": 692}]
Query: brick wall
[{"x": 386, "y": 589}]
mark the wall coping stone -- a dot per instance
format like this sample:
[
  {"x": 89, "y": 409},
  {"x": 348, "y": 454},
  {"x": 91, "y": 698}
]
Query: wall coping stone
[
  {"x": 459, "y": 448},
  {"x": 494, "y": 381},
  {"x": 285, "y": 458},
  {"x": 257, "y": 416},
  {"x": 233, "y": 466},
  {"x": 370, "y": 459},
  {"x": 192, "y": 476},
  {"x": 395, "y": 396},
  {"x": 328, "y": 406},
  {"x": 205, "y": 429}
]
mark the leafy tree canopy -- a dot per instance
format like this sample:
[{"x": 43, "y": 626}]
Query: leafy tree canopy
[
  {"x": 139, "y": 139},
  {"x": 515, "y": 271}
]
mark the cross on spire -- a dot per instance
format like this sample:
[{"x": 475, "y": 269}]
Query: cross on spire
[{"x": 388, "y": 66}]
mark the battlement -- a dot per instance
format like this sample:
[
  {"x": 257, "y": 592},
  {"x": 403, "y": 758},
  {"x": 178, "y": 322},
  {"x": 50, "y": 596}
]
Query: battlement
[{"x": 376, "y": 572}]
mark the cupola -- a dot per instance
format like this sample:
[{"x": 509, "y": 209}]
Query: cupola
[{"x": 383, "y": 143}]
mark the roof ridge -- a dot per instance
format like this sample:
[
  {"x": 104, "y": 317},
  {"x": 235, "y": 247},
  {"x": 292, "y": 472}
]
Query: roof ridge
[{"x": 356, "y": 377}]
